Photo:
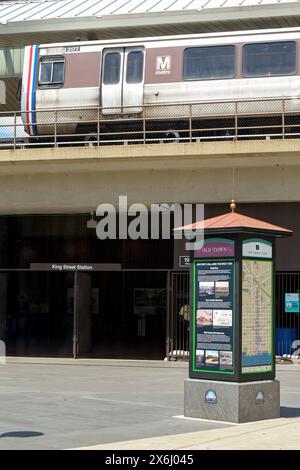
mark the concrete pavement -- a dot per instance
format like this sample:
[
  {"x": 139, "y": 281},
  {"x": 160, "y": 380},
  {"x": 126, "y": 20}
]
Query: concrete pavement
[
  {"x": 278, "y": 434},
  {"x": 112, "y": 404}
]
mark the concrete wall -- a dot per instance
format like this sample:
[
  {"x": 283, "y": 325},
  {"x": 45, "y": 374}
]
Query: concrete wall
[
  {"x": 82, "y": 192},
  {"x": 76, "y": 180}
]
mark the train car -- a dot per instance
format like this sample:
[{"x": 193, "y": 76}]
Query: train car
[{"x": 66, "y": 83}]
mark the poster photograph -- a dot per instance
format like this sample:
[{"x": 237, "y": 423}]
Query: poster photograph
[
  {"x": 206, "y": 288},
  {"x": 222, "y": 288},
  {"x": 200, "y": 356},
  {"x": 226, "y": 357},
  {"x": 204, "y": 317},
  {"x": 211, "y": 357},
  {"x": 222, "y": 318}
]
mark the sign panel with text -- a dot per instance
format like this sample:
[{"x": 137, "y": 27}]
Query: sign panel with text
[
  {"x": 291, "y": 303},
  {"x": 213, "y": 316}
]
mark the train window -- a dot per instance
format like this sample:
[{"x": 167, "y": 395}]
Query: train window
[
  {"x": 58, "y": 72},
  {"x": 52, "y": 71},
  {"x": 45, "y": 74},
  {"x": 135, "y": 65},
  {"x": 204, "y": 63},
  {"x": 112, "y": 67},
  {"x": 266, "y": 59}
]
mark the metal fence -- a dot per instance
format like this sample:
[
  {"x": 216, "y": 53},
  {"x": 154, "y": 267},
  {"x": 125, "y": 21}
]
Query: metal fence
[
  {"x": 178, "y": 324},
  {"x": 163, "y": 123},
  {"x": 287, "y": 339}
]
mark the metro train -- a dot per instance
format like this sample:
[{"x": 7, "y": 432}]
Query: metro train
[{"x": 156, "y": 77}]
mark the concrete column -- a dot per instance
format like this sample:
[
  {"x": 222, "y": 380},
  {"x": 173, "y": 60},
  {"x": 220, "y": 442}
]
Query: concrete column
[
  {"x": 3, "y": 305},
  {"x": 84, "y": 304}
]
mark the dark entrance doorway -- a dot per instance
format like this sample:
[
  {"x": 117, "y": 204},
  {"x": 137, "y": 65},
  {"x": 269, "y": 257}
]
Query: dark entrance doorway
[
  {"x": 36, "y": 313},
  {"x": 118, "y": 309},
  {"x": 105, "y": 314},
  {"x": 128, "y": 314}
]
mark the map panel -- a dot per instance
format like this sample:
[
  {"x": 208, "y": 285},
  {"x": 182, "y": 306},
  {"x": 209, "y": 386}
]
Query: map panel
[{"x": 257, "y": 316}]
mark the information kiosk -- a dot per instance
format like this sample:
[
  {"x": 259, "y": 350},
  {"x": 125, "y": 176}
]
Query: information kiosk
[{"x": 232, "y": 324}]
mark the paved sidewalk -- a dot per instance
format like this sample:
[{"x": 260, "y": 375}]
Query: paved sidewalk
[
  {"x": 279, "y": 434},
  {"x": 50, "y": 403},
  {"x": 69, "y": 361}
]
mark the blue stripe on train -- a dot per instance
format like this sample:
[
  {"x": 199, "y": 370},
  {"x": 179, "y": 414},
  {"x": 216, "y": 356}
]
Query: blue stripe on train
[{"x": 35, "y": 67}]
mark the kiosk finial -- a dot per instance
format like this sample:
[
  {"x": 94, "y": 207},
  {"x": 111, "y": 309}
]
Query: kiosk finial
[{"x": 232, "y": 205}]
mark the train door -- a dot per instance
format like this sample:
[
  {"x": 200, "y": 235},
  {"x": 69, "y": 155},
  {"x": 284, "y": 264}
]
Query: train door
[{"x": 122, "y": 80}]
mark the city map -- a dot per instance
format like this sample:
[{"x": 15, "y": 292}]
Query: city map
[{"x": 256, "y": 316}]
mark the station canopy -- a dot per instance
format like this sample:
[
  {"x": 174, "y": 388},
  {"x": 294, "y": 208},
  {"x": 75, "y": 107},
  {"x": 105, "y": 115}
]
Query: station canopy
[{"x": 27, "y": 21}]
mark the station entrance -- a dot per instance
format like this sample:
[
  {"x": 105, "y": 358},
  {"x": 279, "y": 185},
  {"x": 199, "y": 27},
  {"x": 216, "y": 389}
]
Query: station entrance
[
  {"x": 128, "y": 314},
  {"x": 132, "y": 304},
  {"x": 36, "y": 319},
  {"x": 65, "y": 293},
  {"x": 105, "y": 314}
]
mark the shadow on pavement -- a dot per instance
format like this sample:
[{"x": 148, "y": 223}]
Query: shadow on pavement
[
  {"x": 288, "y": 412},
  {"x": 21, "y": 434}
]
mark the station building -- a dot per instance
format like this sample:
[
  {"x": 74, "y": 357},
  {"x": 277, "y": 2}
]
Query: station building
[{"x": 63, "y": 291}]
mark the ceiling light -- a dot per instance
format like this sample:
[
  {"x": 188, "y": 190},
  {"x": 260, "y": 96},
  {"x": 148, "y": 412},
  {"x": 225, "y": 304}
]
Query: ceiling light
[{"x": 91, "y": 223}]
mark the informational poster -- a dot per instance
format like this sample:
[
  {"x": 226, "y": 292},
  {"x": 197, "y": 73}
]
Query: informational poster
[
  {"x": 94, "y": 301},
  {"x": 148, "y": 301},
  {"x": 291, "y": 303},
  {"x": 33, "y": 301},
  {"x": 213, "y": 316},
  {"x": 257, "y": 305}
]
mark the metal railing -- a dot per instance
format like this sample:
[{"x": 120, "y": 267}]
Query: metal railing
[
  {"x": 149, "y": 124},
  {"x": 287, "y": 341},
  {"x": 287, "y": 322},
  {"x": 179, "y": 312}
]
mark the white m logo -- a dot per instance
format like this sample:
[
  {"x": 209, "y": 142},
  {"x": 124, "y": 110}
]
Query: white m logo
[{"x": 163, "y": 62}]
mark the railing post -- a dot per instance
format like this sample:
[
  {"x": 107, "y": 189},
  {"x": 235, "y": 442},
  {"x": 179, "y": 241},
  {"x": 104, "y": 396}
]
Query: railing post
[
  {"x": 55, "y": 128},
  {"x": 98, "y": 127},
  {"x": 235, "y": 120},
  {"x": 190, "y": 124},
  {"x": 144, "y": 126},
  {"x": 15, "y": 130},
  {"x": 283, "y": 119},
  {"x": 168, "y": 322}
]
